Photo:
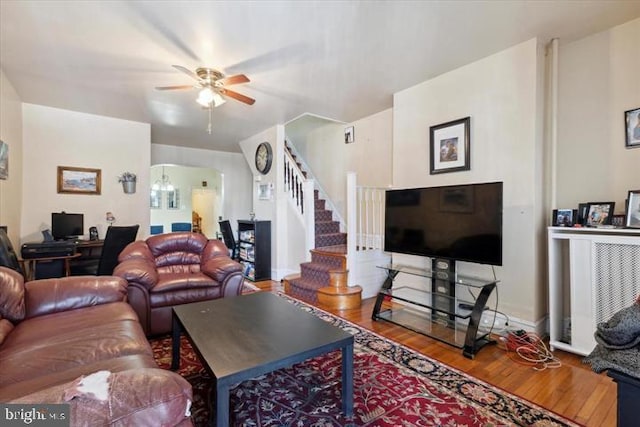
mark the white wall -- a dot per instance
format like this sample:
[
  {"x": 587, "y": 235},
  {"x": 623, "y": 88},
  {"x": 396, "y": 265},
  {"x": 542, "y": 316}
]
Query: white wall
[
  {"x": 502, "y": 95},
  {"x": 599, "y": 79},
  {"x": 369, "y": 156},
  {"x": 274, "y": 209},
  {"x": 11, "y": 134},
  {"x": 54, "y": 137}
]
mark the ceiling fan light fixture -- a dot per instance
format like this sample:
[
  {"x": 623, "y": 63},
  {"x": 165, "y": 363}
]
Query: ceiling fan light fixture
[
  {"x": 205, "y": 97},
  {"x": 218, "y": 100}
]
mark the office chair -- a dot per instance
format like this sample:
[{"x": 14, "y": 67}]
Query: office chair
[
  {"x": 8, "y": 256},
  {"x": 156, "y": 229},
  {"x": 227, "y": 237},
  {"x": 180, "y": 226},
  {"x": 114, "y": 242}
]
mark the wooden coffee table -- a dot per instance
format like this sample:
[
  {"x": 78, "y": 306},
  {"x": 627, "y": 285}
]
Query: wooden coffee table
[{"x": 246, "y": 336}]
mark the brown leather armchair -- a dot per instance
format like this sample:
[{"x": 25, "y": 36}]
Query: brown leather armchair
[{"x": 172, "y": 269}]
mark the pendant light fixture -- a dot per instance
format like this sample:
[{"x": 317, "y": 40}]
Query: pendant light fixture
[{"x": 163, "y": 184}]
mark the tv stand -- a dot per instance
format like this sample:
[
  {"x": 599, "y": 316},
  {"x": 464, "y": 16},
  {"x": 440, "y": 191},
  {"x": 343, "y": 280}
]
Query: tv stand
[{"x": 437, "y": 312}]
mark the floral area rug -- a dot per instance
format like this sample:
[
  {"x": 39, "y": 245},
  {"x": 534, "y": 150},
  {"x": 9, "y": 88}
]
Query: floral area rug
[{"x": 393, "y": 386}]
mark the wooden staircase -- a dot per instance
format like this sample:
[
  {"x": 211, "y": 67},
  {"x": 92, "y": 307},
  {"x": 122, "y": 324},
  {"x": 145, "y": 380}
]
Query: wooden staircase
[{"x": 323, "y": 280}]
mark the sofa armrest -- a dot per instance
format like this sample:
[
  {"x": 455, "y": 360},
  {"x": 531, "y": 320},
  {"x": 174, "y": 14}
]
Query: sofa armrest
[
  {"x": 220, "y": 267},
  {"x": 49, "y": 296},
  {"x": 137, "y": 397},
  {"x": 137, "y": 270}
]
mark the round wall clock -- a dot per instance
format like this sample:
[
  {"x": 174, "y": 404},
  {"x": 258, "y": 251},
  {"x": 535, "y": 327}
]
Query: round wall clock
[{"x": 264, "y": 157}]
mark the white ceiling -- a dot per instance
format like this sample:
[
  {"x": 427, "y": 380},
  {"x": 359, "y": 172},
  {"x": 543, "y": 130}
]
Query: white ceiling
[{"x": 339, "y": 59}]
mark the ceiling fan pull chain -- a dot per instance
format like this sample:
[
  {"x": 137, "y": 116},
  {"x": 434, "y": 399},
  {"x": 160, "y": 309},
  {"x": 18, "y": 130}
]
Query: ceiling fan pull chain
[{"x": 210, "y": 113}]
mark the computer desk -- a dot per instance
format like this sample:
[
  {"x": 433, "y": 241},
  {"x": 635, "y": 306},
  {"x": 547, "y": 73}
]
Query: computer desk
[{"x": 86, "y": 251}]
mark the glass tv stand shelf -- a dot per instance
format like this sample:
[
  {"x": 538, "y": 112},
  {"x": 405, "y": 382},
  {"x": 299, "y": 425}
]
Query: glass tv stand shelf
[{"x": 436, "y": 311}]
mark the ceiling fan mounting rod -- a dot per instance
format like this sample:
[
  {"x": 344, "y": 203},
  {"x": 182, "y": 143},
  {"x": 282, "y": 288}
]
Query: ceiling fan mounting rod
[{"x": 209, "y": 74}]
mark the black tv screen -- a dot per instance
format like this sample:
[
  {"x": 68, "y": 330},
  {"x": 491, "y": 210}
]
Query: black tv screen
[
  {"x": 67, "y": 225},
  {"x": 459, "y": 222}
]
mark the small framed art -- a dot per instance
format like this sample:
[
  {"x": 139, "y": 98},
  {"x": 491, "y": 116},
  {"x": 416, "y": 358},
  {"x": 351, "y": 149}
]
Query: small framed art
[
  {"x": 349, "y": 135},
  {"x": 564, "y": 217},
  {"x": 632, "y": 128},
  {"x": 599, "y": 213},
  {"x": 633, "y": 209},
  {"x": 583, "y": 211},
  {"x": 449, "y": 146}
]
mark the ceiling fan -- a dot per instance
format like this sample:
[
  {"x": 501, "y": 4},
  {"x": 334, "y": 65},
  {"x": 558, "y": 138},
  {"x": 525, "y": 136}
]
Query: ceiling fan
[{"x": 213, "y": 86}]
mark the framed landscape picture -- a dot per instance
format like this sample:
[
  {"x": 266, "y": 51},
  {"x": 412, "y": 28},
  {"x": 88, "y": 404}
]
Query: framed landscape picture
[{"x": 73, "y": 180}]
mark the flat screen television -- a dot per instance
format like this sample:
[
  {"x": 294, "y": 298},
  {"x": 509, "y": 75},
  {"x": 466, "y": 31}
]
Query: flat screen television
[
  {"x": 458, "y": 222},
  {"x": 67, "y": 225}
]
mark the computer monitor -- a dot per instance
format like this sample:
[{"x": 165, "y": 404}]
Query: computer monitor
[{"x": 67, "y": 225}]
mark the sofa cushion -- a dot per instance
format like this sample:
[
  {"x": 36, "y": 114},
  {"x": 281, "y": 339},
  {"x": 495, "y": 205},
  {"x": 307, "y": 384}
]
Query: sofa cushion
[
  {"x": 65, "y": 340},
  {"x": 183, "y": 281},
  {"x": 46, "y": 380},
  {"x": 49, "y": 296},
  {"x": 11, "y": 295}
]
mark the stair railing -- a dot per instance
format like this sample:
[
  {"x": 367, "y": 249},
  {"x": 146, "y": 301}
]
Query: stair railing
[
  {"x": 317, "y": 186},
  {"x": 300, "y": 191}
]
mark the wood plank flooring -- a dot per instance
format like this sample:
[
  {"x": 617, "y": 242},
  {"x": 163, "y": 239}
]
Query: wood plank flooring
[{"x": 573, "y": 390}]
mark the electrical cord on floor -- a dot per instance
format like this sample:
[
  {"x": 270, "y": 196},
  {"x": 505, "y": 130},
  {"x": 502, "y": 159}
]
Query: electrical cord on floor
[{"x": 528, "y": 349}]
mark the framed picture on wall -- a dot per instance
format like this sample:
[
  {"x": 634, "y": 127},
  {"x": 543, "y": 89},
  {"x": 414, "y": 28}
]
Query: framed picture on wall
[
  {"x": 632, "y": 128},
  {"x": 72, "y": 180},
  {"x": 349, "y": 135},
  {"x": 449, "y": 146}
]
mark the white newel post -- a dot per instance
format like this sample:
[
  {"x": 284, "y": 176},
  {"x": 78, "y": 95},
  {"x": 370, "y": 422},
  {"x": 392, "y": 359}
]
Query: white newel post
[{"x": 351, "y": 227}]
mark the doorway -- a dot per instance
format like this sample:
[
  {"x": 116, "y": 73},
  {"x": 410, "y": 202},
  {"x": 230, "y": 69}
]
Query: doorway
[{"x": 179, "y": 194}]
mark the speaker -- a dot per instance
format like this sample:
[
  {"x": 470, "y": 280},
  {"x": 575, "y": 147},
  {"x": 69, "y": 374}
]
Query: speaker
[
  {"x": 443, "y": 289},
  {"x": 93, "y": 233}
]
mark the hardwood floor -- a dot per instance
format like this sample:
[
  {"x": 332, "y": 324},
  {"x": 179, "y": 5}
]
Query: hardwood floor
[{"x": 573, "y": 390}]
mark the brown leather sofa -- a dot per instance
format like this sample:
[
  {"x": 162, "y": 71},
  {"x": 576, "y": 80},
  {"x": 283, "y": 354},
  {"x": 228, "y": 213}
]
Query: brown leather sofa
[
  {"x": 172, "y": 269},
  {"x": 54, "y": 331}
]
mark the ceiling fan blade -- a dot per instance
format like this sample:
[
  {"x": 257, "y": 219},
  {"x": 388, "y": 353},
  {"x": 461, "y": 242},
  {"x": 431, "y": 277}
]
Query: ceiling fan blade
[
  {"x": 174, "y": 87},
  {"x": 238, "y": 96},
  {"x": 234, "y": 80},
  {"x": 187, "y": 72}
]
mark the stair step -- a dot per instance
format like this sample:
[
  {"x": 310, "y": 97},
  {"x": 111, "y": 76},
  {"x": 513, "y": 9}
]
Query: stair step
[
  {"x": 333, "y": 239},
  {"x": 315, "y": 273},
  {"x": 304, "y": 289},
  {"x": 327, "y": 227},
  {"x": 319, "y": 204},
  {"x": 324, "y": 215},
  {"x": 335, "y": 260}
]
